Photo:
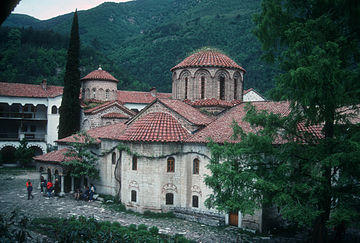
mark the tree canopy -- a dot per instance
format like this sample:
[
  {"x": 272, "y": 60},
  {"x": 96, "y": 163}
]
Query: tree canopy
[{"x": 307, "y": 162}]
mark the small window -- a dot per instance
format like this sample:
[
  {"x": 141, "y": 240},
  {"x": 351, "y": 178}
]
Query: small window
[
  {"x": 169, "y": 199},
  {"x": 113, "y": 158},
  {"x": 222, "y": 88},
  {"x": 24, "y": 128},
  {"x": 186, "y": 87},
  {"x": 54, "y": 110},
  {"x": 33, "y": 128},
  {"x": 202, "y": 87},
  {"x": 94, "y": 93},
  {"x": 107, "y": 94},
  {"x": 171, "y": 164},
  {"x": 195, "y": 201},
  {"x": 134, "y": 163},
  {"x": 235, "y": 89},
  {"x": 133, "y": 196},
  {"x": 196, "y": 163}
]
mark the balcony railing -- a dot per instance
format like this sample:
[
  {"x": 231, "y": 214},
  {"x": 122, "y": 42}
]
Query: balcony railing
[
  {"x": 35, "y": 137},
  {"x": 23, "y": 115}
]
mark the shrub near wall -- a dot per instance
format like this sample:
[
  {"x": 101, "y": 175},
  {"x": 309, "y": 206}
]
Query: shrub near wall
[{"x": 90, "y": 230}]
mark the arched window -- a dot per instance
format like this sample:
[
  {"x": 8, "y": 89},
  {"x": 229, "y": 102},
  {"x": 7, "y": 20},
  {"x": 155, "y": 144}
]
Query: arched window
[
  {"x": 222, "y": 87},
  {"x": 93, "y": 93},
  {"x": 195, "y": 201},
  {"x": 196, "y": 164},
  {"x": 113, "y": 158},
  {"x": 171, "y": 164},
  {"x": 54, "y": 109},
  {"x": 169, "y": 199},
  {"x": 186, "y": 87},
  {"x": 133, "y": 196},
  {"x": 235, "y": 89},
  {"x": 202, "y": 95},
  {"x": 107, "y": 92},
  {"x": 134, "y": 163}
]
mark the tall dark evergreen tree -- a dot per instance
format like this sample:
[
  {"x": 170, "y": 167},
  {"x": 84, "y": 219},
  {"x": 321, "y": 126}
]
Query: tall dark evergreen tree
[{"x": 70, "y": 105}]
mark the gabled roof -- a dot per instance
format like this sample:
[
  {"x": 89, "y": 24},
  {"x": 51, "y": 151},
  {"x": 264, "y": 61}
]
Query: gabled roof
[
  {"x": 190, "y": 113},
  {"x": 99, "y": 75},
  {"x": 138, "y": 97},
  {"x": 221, "y": 129},
  {"x": 109, "y": 131},
  {"x": 115, "y": 115},
  {"x": 253, "y": 90},
  {"x": 208, "y": 58},
  {"x": 29, "y": 90},
  {"x": 107, "y": 105},
  {"x": 213, "y": 102},
  {"x": 155, "y": 127},
  {"x": 56, "y": 156}
]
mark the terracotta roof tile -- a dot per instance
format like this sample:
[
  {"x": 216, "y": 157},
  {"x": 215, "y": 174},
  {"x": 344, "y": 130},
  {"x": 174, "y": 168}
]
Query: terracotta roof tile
[
  {"x": 54, "y": 156},
  {"x": 115, "y": 115},
  {"x": 213, "y": 102},
  {"x": 109, "y": 131},
  {"x": 99, "y": 75},
  {"x": 155, "y": 127},
  {"x": 221, "y": 130},
  {"x": 29, "y": 90},
  {"x": 107, "y": 105},
  {"x": 139, "y": 97},
  {"x": 208, "y": 59},
  {"x": 190, "y": 113}
]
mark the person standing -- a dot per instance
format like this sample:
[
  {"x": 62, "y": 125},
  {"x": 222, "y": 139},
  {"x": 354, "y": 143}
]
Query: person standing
[
  {"x": 29, "y": 189},
  {"x": 49, "y": 188},
  {"x": 42, "y": 183}
]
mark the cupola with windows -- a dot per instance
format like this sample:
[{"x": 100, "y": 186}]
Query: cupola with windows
[
  {"x": 208, "y": 74},
  {"x": 99, "y": 85}
]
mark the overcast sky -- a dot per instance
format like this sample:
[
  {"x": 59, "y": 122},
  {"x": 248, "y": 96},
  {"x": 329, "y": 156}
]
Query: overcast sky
[{"x": 47, "y": 9}]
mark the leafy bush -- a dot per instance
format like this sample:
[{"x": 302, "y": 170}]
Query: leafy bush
[{"x": 82, "y": 229}]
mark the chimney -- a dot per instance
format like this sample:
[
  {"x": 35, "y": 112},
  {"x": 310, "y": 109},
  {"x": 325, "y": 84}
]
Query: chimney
[
  {"x": 153, "y": 91},
  {"x": 44, "y": 84}
]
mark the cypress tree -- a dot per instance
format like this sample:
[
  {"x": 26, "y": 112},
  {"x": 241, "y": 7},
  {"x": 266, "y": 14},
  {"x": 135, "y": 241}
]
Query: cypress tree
[{"x": 70, "y": 105}]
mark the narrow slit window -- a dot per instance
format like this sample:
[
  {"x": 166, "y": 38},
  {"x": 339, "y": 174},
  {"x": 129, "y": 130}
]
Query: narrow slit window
[
  {"x": 134, "y": 163},
  {"x": 171, "y": 164},
  {"x": 235, "y": 89},
  {"x": 133, "y": 196},
  {"x": 196, "y": 164},
  {"x": 186, "y": 88},
  {"x": 202, "y": 87},
  {"x": 222, "y": 87}
]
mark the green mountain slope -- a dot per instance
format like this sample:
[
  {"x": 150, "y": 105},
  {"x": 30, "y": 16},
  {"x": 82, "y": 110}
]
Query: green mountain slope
[{"x": 148, "y": 37}]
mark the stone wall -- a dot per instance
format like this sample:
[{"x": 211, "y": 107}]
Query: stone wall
[
  {"x": 97, "y": 89},
  {"x": 202, "y": 217}
]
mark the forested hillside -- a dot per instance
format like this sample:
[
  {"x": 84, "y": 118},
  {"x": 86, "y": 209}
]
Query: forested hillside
[{"x": 144, "y": 37}]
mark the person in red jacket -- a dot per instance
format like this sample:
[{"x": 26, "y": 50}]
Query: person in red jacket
[
  {"x": 49, "y": 188},
  {"x": 29, "y": 189}
]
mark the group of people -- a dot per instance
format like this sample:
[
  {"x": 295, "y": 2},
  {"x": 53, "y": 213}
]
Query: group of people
[
  {"x": 48, "y": 187},
  {"x": 87, "y": 195}
]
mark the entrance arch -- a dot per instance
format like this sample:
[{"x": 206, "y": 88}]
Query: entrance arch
[{"x": 8, "y": 154}]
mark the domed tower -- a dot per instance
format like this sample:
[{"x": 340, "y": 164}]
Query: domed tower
[
  {"x": 207, "y": 74},
  {"x": 99, "y": 85}
]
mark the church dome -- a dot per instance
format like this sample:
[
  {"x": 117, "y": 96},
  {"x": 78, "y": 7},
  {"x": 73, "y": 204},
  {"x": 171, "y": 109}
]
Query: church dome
[
  {"x": 208, "y": 58},
  {"x": 99, "y": 75}
]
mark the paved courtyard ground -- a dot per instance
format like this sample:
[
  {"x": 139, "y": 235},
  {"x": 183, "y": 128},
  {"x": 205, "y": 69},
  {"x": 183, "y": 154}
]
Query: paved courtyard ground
[{"x": 13, "y": 195}]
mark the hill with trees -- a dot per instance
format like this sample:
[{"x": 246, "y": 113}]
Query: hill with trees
[{"x": 139, "y": 41}]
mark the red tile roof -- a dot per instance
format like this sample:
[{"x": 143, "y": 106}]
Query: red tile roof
[
  {"x": 190, "y": 113},
  {"x": 208, "y": 58},
  {"x": 29, "y": 90},
  {"x": 54, "y": 156},
  {"x": 107, "y": 105},
  {"x": 115, "y": 115},
  {"x": 109, "y": 131},
  {"x": 213, "y": 102},
  {"x": 155, "y": 127},
  {"x": 221, "y": 129},
  {"x": 139, "y": 97},
  {"x": 99, "y": 75}
]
